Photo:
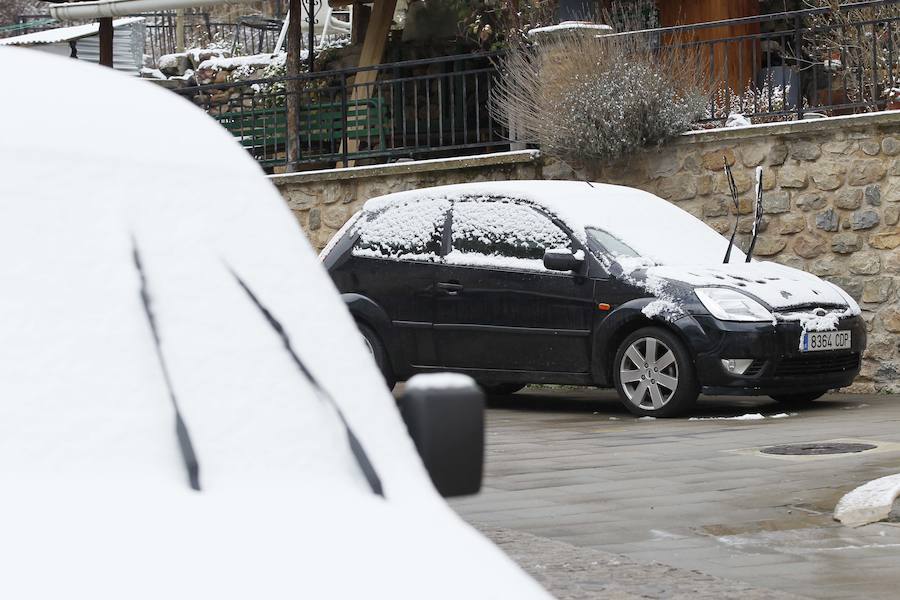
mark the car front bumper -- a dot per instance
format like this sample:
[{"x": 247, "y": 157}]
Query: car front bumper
[{"x": 778, "y": 366}]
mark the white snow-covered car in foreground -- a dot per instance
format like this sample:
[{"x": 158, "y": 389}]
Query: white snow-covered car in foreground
[{"x": 186, "y": 408}]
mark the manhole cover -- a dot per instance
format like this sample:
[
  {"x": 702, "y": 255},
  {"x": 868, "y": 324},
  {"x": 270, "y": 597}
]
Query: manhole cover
[{"x": 817, "y": 448}]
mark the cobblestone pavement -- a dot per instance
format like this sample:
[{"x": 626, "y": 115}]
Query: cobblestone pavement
[
  {"x": 576, "y": 573},
  {"x": 574, "y": 468}
]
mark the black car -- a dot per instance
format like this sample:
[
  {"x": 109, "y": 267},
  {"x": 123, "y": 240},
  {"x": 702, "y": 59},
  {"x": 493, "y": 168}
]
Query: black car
[{"x": 525, "y": 282}]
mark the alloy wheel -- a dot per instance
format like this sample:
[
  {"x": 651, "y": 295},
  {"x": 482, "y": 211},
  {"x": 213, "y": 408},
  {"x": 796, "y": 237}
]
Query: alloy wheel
[{"x": 649, "y": 373}]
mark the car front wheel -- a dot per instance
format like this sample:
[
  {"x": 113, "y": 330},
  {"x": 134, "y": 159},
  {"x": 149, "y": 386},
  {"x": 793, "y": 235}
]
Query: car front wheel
[{"x": 654, "y": 374}]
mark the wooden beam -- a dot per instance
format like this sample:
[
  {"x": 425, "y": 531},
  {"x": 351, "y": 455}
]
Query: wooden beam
[
  {"x": 372, "y": 54},
  {"x": 293, "y": 85},
  {"x": 106, "y": 42}
]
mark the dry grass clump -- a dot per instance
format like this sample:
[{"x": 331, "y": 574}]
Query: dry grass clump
[{"x": 586, "y": 97}]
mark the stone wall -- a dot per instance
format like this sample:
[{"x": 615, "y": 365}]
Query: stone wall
[
  {"x": 323, "y": 200},
  {"x": 832, "y": 202}
]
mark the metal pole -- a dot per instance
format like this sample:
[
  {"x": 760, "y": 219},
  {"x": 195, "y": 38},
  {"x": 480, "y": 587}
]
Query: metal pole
[
  {"x": 106, "y": 42},
  {"x": 311, "y": 47},
  {"x": 293, "y": 85}
]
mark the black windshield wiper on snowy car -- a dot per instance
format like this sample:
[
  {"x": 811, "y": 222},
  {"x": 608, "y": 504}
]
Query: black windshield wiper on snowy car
[
  {"x": 759, "y": 213},
  {"x": 359, "y": 453},
  {"x": 737, "y": 208},
  {"x": 184, "y": 438}
]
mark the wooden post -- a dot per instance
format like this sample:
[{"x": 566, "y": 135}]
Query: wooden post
[
  {"x": 371, "y": 54},
  {"x": 179, "y": 30},
  {"x": 293, "y": 85},
  {"x": 106, "y": 42}
]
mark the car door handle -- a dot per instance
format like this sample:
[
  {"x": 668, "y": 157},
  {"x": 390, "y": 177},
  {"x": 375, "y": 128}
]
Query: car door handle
[{"x": 449, "y": 288}]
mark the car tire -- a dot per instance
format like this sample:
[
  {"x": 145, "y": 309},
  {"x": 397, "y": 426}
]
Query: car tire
[
  {"x": 501, "y": 389},
  {"x": 376, "y": 348},
  {"x": 798, "y": 399},
  {"x": 664, "y": 385}
]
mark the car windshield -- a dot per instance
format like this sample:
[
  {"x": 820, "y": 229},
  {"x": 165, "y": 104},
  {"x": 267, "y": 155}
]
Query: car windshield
[{"x": 603, "y": 243}]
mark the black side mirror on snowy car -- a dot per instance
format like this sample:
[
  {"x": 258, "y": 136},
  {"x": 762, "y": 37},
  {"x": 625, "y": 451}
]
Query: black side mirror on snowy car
[
  {"x": 563, "y": 260},
  {"x": 444, "y": 413}
]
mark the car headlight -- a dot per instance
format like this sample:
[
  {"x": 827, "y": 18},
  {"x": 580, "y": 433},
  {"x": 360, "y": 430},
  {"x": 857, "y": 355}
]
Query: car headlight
[{"x": 731, "y": 305}]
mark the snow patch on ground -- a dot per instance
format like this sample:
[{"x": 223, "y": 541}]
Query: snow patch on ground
[
  {"x": 868, "y": 503},
  {"x": 746, "y": 417},
  {"x": 440, "y": 381}
]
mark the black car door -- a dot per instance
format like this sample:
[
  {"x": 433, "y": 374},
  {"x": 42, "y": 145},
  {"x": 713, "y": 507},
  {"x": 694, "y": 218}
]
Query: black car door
[
  {"x": 394, "y": 261},
  {"x": 496, "y": 306}
]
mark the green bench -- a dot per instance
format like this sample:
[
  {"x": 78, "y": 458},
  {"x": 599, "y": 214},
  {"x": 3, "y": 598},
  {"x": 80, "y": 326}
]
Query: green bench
[{"x": 263, "y": 131}]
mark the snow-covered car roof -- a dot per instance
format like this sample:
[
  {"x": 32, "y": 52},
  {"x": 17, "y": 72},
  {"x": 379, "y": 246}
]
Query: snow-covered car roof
[
  {"x": 96, "y": 495},
  {"x": 655, "y": 228}
]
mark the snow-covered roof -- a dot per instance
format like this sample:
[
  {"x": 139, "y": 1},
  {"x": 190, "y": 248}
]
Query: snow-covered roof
[
  {"x": 64, "y": 34},
  {"x": 654, "y": 227},
  {"x": 95, "y": 487}
]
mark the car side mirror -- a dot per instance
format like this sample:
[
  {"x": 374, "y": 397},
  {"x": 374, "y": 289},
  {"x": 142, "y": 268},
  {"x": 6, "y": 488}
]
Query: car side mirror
[
  {"x": 563, "y": 260},
  {"x": 444, "y": 413}
]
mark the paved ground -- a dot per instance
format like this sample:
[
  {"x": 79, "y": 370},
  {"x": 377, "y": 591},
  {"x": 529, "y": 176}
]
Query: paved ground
[{"x": 578, "y": 471}]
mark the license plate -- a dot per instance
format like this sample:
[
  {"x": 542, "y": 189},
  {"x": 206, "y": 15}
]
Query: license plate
[{"x": 814, "y": 341}]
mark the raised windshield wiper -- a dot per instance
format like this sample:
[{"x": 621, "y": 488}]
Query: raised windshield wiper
[
  {"x": 737, "y": 208},
  {"x": 759, "y": 213},
  {"x": 359, "y": 453}
]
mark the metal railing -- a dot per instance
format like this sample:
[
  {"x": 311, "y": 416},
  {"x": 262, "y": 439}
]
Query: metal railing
[
  {"x": 812, "y": 61},
  {"x": 28, "y": 24},
  {"x": 413, "y": 109}
]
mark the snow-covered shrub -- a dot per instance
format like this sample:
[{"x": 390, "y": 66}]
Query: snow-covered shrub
[{"x": 583, "y": 97}]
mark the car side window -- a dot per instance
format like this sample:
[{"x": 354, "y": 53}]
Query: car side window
[
  {"x": 412, "y": 230},
  {"x": 501, "y": 233}
]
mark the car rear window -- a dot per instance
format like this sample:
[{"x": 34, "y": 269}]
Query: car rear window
[{"x": 408, "y": 231}]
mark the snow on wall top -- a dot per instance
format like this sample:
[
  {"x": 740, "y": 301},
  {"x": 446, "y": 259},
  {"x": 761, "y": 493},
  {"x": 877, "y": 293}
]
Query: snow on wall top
[{"x": 632, "y": 215}]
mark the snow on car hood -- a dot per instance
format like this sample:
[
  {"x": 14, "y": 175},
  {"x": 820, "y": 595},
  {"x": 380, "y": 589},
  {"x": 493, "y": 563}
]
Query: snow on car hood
[
  {"x": 780, "y": 287},
  {"x": 97, "y": 502}
]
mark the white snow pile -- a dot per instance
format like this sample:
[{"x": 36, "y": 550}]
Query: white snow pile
[
  {"x": 868, "y": 503},
  {"x": 746, "y": 417},
  {"x": 737, "y": 120},
  {"x": 440, "y": 381},
  {"x": 234, "y": 62}
]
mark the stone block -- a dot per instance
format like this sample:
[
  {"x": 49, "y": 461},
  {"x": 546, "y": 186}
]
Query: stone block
[
  {"x": 851, "y": 285},
  {"x": 792, "y": 224},
  {"x": 885, "y": 240},
  {"x": 808, "y": 245},
  {"x": 769, "y": 246},
  {"x": 678, "y": 188},
  {"x": 704, "y": 185},
  {"x": 300, "y": 200},
  {"x": 663, "y": 164},
  {"x": 866, "y": 171},
  {"x": 828, "y": 176},
  {"x": 777, "y": 155},
  {"x": 743, "y": 182},
  {"x": 826, "y": 267},
  {"x": 870, "y": 147},
  {"x": 315, "y": 219},
  {"x": 845, "y": 243},
  {"x": 746, "y": 225},
  {"x": 848, "y": 199},
  {"x": 777, "y": 203},
  {"x": 839, "y": 147},
  {"x": 792, "y": 177},
  {"x": 864, "y": 219},
  {"x": 865, "y": 263},
  {"x": 717, "y": 207},
  {"x": 891, "y": 319},
  {"x": 878, "y": 289},
  {"x": 891, "y": 215},
  {"x": 827, "y": 220},
  {"x": 804, "y": 150},
  {"x": 812, "y": 201},
  {"x": 752, "y": 156},
  {"x": 890, "y": 146},
  {"x": 873, "y": 195},
  {"x": 335, "y": 216},
  {"x": 713, "y": 161}
]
